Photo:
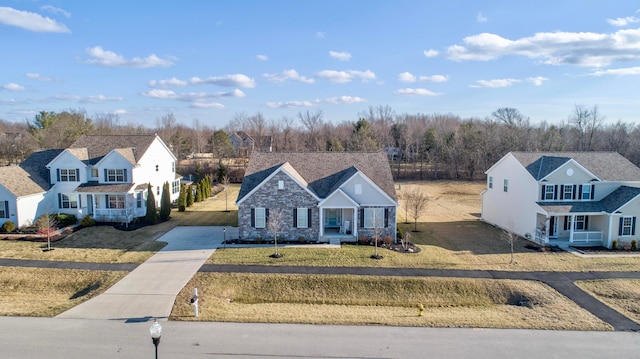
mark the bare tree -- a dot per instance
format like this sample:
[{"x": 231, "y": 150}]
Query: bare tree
[
  {"x": 510, "y": 238},
  {"x": 312, "y": 122},
  {"x": 225, "y": 183},
  {"x": 416, "y": 202},
  {"x": 378, "y": 231},
  {"x": 47, "y": 225},
  {"x": 586, "y": 122},
  {"x": 275, "y": 223}
]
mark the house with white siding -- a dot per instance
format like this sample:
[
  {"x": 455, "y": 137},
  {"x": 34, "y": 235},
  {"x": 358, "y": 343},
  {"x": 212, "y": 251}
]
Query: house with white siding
[{"x": 576, "y": 198}]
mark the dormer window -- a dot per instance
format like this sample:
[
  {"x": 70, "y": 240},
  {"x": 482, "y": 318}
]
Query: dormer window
[
  {"x": 94, "y": 172},
  {"x": 115, "y": 175},
  {"x": 68, "y": 175},
  {"x": 586, "y": 191}
]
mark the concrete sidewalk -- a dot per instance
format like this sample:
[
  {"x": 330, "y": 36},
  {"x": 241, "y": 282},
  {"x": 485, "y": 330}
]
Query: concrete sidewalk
[{"x": 149, "y": 291}]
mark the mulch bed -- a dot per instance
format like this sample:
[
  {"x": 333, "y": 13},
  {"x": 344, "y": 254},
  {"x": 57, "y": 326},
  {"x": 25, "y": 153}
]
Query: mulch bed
[
  {"x": 546, "y": 248},
  {"x": 601, "y": 250}
]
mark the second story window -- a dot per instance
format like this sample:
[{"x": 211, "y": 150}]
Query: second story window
[
  {"x": 586, "y": 192},
  {"x": 115, "y": 175},
  {"x": 567, "y": 192},
  {"x": 68, "y": 175},
  {"x": 549, "y": 192},
  {"x": 505, "y": 186}
]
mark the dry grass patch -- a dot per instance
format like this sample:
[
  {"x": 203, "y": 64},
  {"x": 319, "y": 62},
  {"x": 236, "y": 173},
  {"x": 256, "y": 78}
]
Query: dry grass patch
[
  {"x": 48, "y": 292},
  {"x": 329, "y": 299},
  {"x": 622, "y": 295}
]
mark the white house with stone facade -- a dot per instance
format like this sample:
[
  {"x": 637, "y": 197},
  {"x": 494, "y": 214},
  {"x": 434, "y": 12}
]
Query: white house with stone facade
[
  {"x": 576, "y": 198},
  {"x": 104, "y": 176},
  {"x": 319, "y": 196}
]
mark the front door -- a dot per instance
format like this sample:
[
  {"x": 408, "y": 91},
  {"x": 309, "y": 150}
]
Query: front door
[
  {"x": 553, "y": 227},
  {"x": 90, "y": 204}
]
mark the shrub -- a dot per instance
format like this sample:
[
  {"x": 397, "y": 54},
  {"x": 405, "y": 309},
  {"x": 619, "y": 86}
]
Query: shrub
[
  {"x": 363, "y": 240},
  {"x": 87, "y": 221},
  {"x": 301, "y": 239},
  {"x": 259, "y": 240},
  {"x": 614, "y": 244},
  {"x": 400, "y": 233},
  {"x": 8, "y": 226},
  {"x": 65, "y": 219},
  {"x": 634, "y": 244},
  {"x": 388, "y": 241}
]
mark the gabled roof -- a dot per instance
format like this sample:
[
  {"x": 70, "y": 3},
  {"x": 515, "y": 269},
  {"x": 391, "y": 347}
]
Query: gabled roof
[
  {"x": 97, "y": 146},
  {"x": 31, "y": 176},
  {"x": 607, "y": 166},
  {"x": 611, "y": 203},
  {"x": 323, "y": 171}
]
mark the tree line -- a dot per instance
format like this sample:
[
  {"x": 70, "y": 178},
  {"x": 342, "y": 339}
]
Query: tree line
[{"x": 420, "y": 146}]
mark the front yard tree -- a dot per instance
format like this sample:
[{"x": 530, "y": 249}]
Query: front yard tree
[
  {"x": 225, "y": 183},
  {"x": 198, "y": 192},
  {"x": 182, "y": 199},
  {"x": 46, "y": 227},
  {"x": 190, "y": 198},
  {"x": 416, "y": 202},
  {"x": 152, "y": 215},
  {"x": 275, "y": 222},
  {"x": 165, "y": 203}
]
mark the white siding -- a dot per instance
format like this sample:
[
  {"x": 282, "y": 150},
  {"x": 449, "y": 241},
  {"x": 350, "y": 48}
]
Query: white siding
[
  {"x": 370, "y": 194},
  {"x": 156, "y": 155}
]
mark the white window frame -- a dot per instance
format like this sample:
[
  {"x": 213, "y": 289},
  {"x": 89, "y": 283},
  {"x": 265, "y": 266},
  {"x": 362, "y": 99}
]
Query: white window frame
[
  {"x": 505, "y": 185},
  {"x": 549, "y": 190},
  {"x": 568, "y": 189},
  {"x": 94, "y": 172},
  {"x": 302, "y": 220},
  {"x": 66, "y": 201},
  {"x": 280, "y": 184},
  {"x": 116, "y": 201},
  {"x": 586, "y": 187},
  {"x": 68, "y": 175},
  {"x": 115, "y": 175},
  {"x": 490, "y": 182},
  {"x": 581, "y": 220},
  {"x": 260, "y": 217},
  {"x": 175, "y": 186},
  {"x": 373, "y": 218},
  {"x": 3, "y": 205},
  {"x": 139, "y": 199},
  {"x": 627, "y": 228}
]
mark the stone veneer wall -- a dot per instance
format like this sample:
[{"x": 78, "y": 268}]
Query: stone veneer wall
[
  {"x": 270, "y": 197},
  {"x": 390, "y": 230}
]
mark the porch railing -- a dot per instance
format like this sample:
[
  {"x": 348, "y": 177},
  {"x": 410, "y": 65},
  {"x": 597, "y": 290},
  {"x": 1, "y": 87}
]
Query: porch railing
[{"x": 587, "y": 236}]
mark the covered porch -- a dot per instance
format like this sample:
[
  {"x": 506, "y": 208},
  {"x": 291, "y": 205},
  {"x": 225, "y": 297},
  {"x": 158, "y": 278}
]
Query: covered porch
[
  {"x": 577, "y": 229},
  {"x": 338, "y": 224},
  {"x": 113, "y": 203}
]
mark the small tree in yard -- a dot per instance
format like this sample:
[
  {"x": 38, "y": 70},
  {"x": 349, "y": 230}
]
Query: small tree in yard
[
  {"x": 47, "y": 225},
  {"x": 275, "y": 222},
  {"x": 416, "y": 202},
  {"x": 165, "y": 203},
  {"x": 510, "y": 238},
  {"x": 182, "y": 199},
  {"x": 190, "y": 199},
  {"x": 152, "y": 214},
  {"x": 225, "y": 183},
  {"x": 378, "y": 229}
]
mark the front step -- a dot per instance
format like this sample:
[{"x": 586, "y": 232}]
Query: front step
[{"x": 334, "y": 240}]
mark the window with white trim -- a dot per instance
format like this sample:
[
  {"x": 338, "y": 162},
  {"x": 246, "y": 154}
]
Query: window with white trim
[
  {"x": 67, "y": 201},
  {"x": 115, "y": 175},
  {"x": 506, "y": 185},
  {"x": 139, "y": 200},
  {"x": 115, "y": 201},
  {"x": 260, "y": 217},
  {"x": 548, "y": 192},
  {"x": 580, "y": 223},
  {"x": 586, "y": 192},
  {"x": 94, "y": 172},
  {"x": 4, "y": 209},
  {"x": 627, "y": 226},
  {"x": 175, "y": 186},
  {"x": 373, "y": 218},
  {"x": 302, "y": 218},
  {"x": 280, "y": 184},
  {"x": 68, "y": 175},
  {"x": 567, "y": 193},
  {"x": 490, "y": 181}
]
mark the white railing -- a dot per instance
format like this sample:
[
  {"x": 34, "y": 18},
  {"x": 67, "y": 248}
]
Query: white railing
[{"x": 587, "y": 236}]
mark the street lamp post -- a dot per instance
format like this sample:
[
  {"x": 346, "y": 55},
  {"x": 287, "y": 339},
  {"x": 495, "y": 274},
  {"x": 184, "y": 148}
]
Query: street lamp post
[
  {"x": 156, "y": 333},
  {"x": 225, "y": 237}
]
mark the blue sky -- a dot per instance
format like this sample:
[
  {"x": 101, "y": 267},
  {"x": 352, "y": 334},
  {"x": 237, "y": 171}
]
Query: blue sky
[{"x": 211, "y": 60}]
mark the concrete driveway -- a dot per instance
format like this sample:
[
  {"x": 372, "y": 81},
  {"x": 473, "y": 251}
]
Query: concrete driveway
[{"x": 150, "y": 290}]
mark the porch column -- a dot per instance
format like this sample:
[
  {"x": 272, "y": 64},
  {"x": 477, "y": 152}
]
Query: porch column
[
  {"x": 321, "y": 221},
  {"x": 573, "y": 223},
  {"x": 547, "y": 225}
]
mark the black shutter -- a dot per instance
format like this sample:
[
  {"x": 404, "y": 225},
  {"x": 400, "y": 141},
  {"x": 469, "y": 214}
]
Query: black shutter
[
  {"x": 633, "y": 226},
  {"x": 566, "y": 222},
  {"x": 620, "y": 227},
  {"x": 386, "y": 217},
  {"x": 105, "y": 175},
  {"x": 266, "y": 216},
  {"x": 574, "y": 191},
  {"x": 295, "y": 218},
  {"x": 309, "y": 217},
  {"x": 561, "y": 192},
  {"x": 586, "y": 223},
  {"x": 58, "y": 174},
  {"x": 555, "y": 192},
  {"x": 580, "y": 192},
  {"x": 106, "y": 201},
  {"x": 593, "y": 190},
  {"x": 125, "y": 174},
  {"x": 77, "y": 174},
  {"x": 59, "y": 200},
  {"x": 361, "y": 221},
  {"x": 253, "y": 217},
  {"x": 544, "y": 190},
  {"x": 6, "y": 209}
]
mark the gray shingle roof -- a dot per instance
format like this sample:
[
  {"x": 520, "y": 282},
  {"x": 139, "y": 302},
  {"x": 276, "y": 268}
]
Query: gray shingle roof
[
  {"x": 607, "y": 166},
  {"x": 105, "y": 188},
  {"x": 98, "y": 146},
  {"x": 31, "y": 176},
  {"x": 323, "y": 171},
  {"x": 609, "y": 204}
]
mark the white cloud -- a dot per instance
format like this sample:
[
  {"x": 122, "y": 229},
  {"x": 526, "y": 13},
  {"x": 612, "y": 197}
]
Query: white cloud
[
  {"x": 320, "y": 34},
  {"x": 40, "y": 77},
  {"x": 346, "y": 100},
  {"x": 55, "y": 10},
  {"x": 431, "y": 53},
  {"x": 623, "y": 21},
  {"x": 291, "y": 104},
  {"x": 495, "y": 83},
  {"x": 340, "y": 77},
  {"x": 481, "y": 18},
  {"x": 434, "y": 78},
  {"x": 234, "y": 80},
  {"x": 339, "y": 100},
  {"x": 190, "y": 96},
  {"x": 99, "y": 98},
  {"x": 538, "y": 80},
  {"x": 30, "y": 21},
  {"x": 415, "y": 92},
  {"x": 99, "y": 56},
  {"x": 13, "y": 87},
  {"x": 215, "y": 105},
  {"x": 9, "y": 101},
  {"x": 342, "y": 56},
  {"x": 168, "y": 83},
  {"x": 554, "y": 48},
  {"x": 262, "y": 57},
  {"x": 288, "y": 75},
  {"x": 618, "y": 72},
  {"x": 119, "y": 112},
  {"x": 407, "y": 77}
]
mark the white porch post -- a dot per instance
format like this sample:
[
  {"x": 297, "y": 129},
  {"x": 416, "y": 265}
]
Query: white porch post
[
  {"x": 547, "y": 224},
  {"x": 572, "y": 224},
  {"x": 321, "y": 221}
]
